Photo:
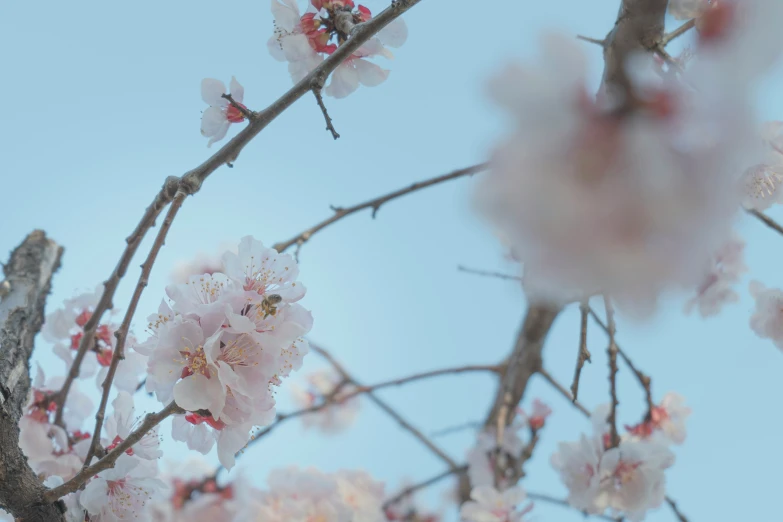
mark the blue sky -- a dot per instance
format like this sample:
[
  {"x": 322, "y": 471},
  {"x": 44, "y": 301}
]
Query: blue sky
[{"x": 102, "y": 103}]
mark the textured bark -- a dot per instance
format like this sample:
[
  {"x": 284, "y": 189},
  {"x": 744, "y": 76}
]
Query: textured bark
[{"x": 28, "y": 274}]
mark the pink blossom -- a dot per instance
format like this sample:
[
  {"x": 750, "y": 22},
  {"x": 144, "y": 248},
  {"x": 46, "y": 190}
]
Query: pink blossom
[
  {"x": 667, "y": 419},
  {"x": 762, "y": 182},
  {"x": 725, "y": 269},
  {"x": 336, "y": 417},
  {"x": 491, "y": 505},
  {"x": 216, "y": 120},
  {"x": 122, "y": 423},
  {"x": 538, "y": 416},
  {"x": 121, "y": 492},
  {"x": 578, "y": 463},
  {"x": 767, "y": 318}
]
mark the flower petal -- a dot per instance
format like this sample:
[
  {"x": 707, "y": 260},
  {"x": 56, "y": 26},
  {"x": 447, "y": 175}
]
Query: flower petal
[
  {"x": 212, "y": 91},
  {"x": 196, "y": 392},
  {"x": 345, "y": 80},
  {"x": 237, "y": 91},
  {"x": 395, "y": 34},
  {"x": 212, "y": 122},
  {"x": 370, "y": 74},
  {"x": 286, "y": 14}
]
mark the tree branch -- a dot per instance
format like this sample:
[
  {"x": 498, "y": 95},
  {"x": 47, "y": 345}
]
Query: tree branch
[
  {"x": 584, "y": 353},
  {"x": 375, "y": 204},
  {"x": 614, "y": 439},
  {"x": 388, "y": 409},
  {"x": 28, "y": 274},
  {"x": 487, "y": 273},
  {"x": 320, "y": 100},
  {"x": 771, "y": 223},
  {"x": 421, "y": 485},
  {"x": 684, "y": 28},
  {"x": 150, "y": 421},
  {"x": 122, "y": 332},
  {"x": 105, "y": 303}
]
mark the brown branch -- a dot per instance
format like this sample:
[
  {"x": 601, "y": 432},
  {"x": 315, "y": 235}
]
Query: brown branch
[
  {"x": 474, "y": 425},
  {"x": 562, "y": 502},
  {"x": 486, "y": 273},
  {"x": 374, "y": 204},
  {"x": 684, "y": 28},
  {"x": 643, "y": 378},
  {"x": 388, "y": 409},
  {"x": 584, "y": 353},
  {"x": 28, "y": 274},
  {"x": 320, "y": 99},
  {"x": 638, "y": 28},
  {"x": 677, "y": 512},
  {"x": 150, "y": 421},
  {"x": 421, "y": 485},
  {"x": 122, "y": 332},
  {"x": 614, "y": 440},
  {"x": 563, "y": 391},
  {"x": 771, "y": 223},
  {"x": 105, "y": 303},
  {"x": 591, "y": 40}
]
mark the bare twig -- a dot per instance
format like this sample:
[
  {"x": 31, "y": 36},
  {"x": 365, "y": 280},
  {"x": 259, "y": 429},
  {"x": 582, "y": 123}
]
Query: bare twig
[
  {"x": 684, "y": 28},
  {"x": 771, "y": 223},
  {"x": 421, "y": 485},
  {"x": 105, "y": 303},
  {"x": 563, "y": 391},
  {"x": 150, "y": 421},
  {"x": 122, "y": 332},
  {"x": 374, "y": 204},
  {"x": 562, "y": 502},
  {"x": 614, "y": 440},
  {"x": 388, "y": 409},
  {"x": 643, "y": 378},
  {"x": 677, "y": 512},
  {"x": 329, "y": 125},
  {"x": 584, "y": 353},
  {"x": 474, "y": 425},
  {"x": 591, "y": 40},
  {"x": 498, "y": 275}
]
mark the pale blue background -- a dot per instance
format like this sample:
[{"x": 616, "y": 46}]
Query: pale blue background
[{"x": 101, "y": 103}]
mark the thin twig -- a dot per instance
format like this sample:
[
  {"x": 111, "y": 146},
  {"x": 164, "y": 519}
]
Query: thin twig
[
  {"x": 562, "y": 502},
  {"x": 475, "y": 425},
  {"x": 105, "y": 303},
  {"x": 122, "y": 332},
  {"x": 684, "y": 28},
  {"x": 643, "y": 378},
  {"x": 150, "y": 421},
  {"x": 329, "y": 125},
  {"x": 596, "y": 41},
  {"x": 614, "y": 440},
  {"x": 421, "y": 485},
  {"x": 374, "y": 204},
  {"x": 584, "y": 353},
  {"x": 771, "y": 223},
  {"x": 563, "y": 391},
  {"x": 487, "y": 273},
  {"x": 388, "y": 409},
  {"x": 677, "y": 512},
  {"x": 250, "y": 115}
]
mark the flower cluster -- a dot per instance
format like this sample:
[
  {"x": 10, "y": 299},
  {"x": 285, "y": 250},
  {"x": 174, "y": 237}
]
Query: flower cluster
[
  {"x": 304, "y": 40},
  {"x": 628, "y": 479},
  {"x": 762, "y": 182},
  {"x": 327, "y": 385},
  {"x": 767, "y": 318},
  {"x": 633, "y": 193},
  {"x": 490, "y": 505},
  {"x": 221, "y": 344},
  {"x": 726, "y": 267},
  {"x": 65, "y": 329}
]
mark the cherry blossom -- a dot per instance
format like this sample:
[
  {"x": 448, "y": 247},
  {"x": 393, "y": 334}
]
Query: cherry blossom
[
  {"x": 578, "y": 463},
  {"x": 203, "y": 263},
  {"x": 767, "y": 318},
  {"x": 407, "y": 508},
  {"x": 762, "y": 182},
  {"x": 715, "y": 289},
  {"x": 628, "y": 204},
  {"x": 216, "y": 120},
  {"x": 121, "y": 492},
  {"x": 339, "y": 414},
  {"x": 122, "y": 423},
  {"x": 667, "y": 419},
  {"x": 490, "y": 505},
  {"x": 304, "y": 40},
  {"x": 362, "y": 494},
  {"x": 538, "y": 416},
  {"x": 201, "y": 432}
]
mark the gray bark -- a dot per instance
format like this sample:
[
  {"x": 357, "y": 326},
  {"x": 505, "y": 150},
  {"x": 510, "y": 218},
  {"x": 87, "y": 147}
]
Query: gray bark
[{"x": 28, "y": 276}]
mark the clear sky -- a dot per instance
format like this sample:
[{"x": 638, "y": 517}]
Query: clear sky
[{"x": 102, "y": 103}]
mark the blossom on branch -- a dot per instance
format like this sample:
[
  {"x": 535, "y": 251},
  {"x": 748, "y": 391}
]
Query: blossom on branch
[
  {"x": 762, "y": 182},
  {"x": 767, "y": 318},
  {"x": 216, "y": 120},
  {"x": 304, "y": 40},
  {"x": 667, "y": 419},
  {"x": 223, "y": 341},
  {"x": 490, "y": 505},
  {"x": 327, "y": 386},
  {"x": 716, "y": 288}
]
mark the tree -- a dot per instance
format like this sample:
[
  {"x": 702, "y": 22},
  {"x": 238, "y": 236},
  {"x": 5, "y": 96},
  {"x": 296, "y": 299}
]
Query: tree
[{"x": 634, "y": 193}]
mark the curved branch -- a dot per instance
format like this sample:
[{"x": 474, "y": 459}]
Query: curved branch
[{"x": 375, "y": 204}]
